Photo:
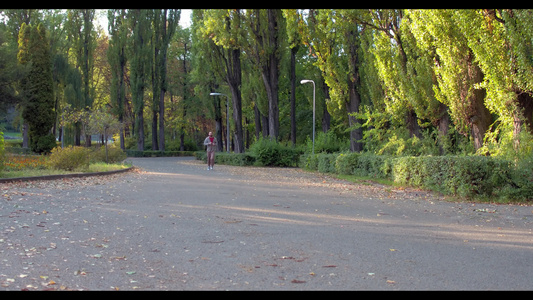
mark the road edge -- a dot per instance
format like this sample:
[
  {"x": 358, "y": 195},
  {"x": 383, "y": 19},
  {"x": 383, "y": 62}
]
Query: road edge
[{"x": 62, "y": 176}]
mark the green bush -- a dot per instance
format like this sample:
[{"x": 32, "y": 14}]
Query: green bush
[
  {"x": 327, "y": 143},
  {"x": 69, "y": 158},
  {"x": 309, "y": 162},
  {"x": 467, "y": 176},
  {"x": 13, "y": 143},
  {"x": 363, "y": 164},
  {"x": 272, "y": 153},
  {"x": 326, "y": 162},
  {"x": 234, "y": 159},
  {"x": 43, "y": 144},
  {"x": 114, "y": 154},
  {"x": 156, "y": 153},
  {"x": 519, "y": 183},
  {"x": 2, "y": 151},
  {"x": 482, "y": 177}
]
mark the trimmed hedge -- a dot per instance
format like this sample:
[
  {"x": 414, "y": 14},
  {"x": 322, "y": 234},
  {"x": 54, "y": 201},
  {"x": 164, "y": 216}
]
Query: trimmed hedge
[
  {"x": 233, "y": 159},
  {"x": 155, "y": 153},
  {"x": 465, "y": 176},
  {"x": 457, "y": 175},
  {"x": 359, "y": 164}
]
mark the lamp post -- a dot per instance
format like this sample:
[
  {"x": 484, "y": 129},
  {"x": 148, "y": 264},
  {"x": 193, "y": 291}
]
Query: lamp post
[
  {"x": 227, "y": 117},
  {"x": 303, "y": 82}
]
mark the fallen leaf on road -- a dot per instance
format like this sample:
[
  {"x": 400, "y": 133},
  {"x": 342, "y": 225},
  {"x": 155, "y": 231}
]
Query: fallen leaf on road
[{"x": 298, "y": 281}]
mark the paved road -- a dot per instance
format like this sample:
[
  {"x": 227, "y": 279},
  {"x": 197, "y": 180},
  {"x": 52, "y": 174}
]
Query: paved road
[{"x": 176, "y": 226}]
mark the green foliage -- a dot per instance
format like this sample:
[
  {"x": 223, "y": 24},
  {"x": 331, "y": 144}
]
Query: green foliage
[
  {"x": 363, "y": 164},
  {"x": 466, "y": 176},
  {"x": 478, "y": 177},
  {"x": 157, "y": 153},
  {"x": 37, "y": 87},
  {"x": 349, "y": 163},
  {"x": 114, "y": 154},
  {"x": 175, "y": 145},
  {"x": 69, "y": 158},
  {"x": 272, "y": 153},
  {"x": 43, "y": 143},
  {"x": 234, "y": 159},
  {"x": 74, "y": 158},
  {"x": 2, "y": 151},
  {"x": 327, "y": 143},
  {"x": 326, "y": 163}
]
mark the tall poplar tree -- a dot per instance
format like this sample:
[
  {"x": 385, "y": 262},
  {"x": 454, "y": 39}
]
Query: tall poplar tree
[
  {"x": 334, "y": 37},
  {"x": 502, "y": 46},
  {"x": 81, "y": 38},
  {"x": 206, "y": 72},
  {"x": 15, "y": 19},
  {"x": 224, "y": 27},
  {"x": 140, "y": 67},
  {"x": 293, "y": 20},
  {"x": 459, "y": 76},
  {"x": 265, "y": 27},
  {"x": 164, "y": 26},
  {"x": 117, "y": 59},
  {"x": 37, "y": 87}
]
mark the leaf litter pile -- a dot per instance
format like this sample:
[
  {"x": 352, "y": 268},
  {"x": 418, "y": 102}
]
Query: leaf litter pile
[{"x": 42, "y": 233}]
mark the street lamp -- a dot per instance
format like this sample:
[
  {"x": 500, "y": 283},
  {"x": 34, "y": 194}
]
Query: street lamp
[
  {"x": 227, "y": 117},
  {"x": 303, "y": 82}
]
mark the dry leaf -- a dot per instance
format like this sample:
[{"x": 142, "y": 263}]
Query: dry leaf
[{"x": 298, "y": 281}]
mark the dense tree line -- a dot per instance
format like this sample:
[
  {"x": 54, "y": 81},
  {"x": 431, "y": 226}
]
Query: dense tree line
[{"x": 388, "y": 81}]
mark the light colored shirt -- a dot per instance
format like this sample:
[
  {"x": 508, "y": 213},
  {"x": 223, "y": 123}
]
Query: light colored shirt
[{"x": 210, "y": 147}]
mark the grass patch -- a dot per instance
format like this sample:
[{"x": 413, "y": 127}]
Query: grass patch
[
  {"x": 103, "y": 167},
  {"x": 16, "y": 166},
  {"x": 93, "y": 168},
  {"x": 32, "y": 173}
]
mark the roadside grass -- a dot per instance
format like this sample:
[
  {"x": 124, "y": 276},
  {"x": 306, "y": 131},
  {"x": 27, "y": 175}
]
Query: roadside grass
[{"x": 16, "y": 166}]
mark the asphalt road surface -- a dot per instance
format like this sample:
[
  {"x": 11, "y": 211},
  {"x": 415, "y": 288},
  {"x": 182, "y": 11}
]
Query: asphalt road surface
[{"x": 173, "y": 225}]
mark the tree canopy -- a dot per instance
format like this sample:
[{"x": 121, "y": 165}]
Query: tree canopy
[{"x": 388, "y": 81}]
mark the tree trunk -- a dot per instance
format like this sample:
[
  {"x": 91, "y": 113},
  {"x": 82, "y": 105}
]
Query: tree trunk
[
  {"x": 155, "y": 144},
  {"x": 480, "y": 118},
  {"x": 354, "y": 98},
  {"x": 522, "y": 117},
  {"x": 270, "y": 78},
  {"x": 257, "y": 118},
  {"x": 326, "y": 117},
  {"x": 233, "y": 78},
  {"x": 292, "y": 76},
  {"x": 25, "y": 138},
  {"x": 218, "y": 124},
  {"x": 412, "y": 124},
  {"x": 270, "y": 73},
  {"x": 356, "y": 134},
  {"x": 443, "y": 124}
]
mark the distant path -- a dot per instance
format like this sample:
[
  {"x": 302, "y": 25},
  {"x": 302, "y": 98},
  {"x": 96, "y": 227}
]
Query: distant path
[{"x": 176, "y": 226}]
